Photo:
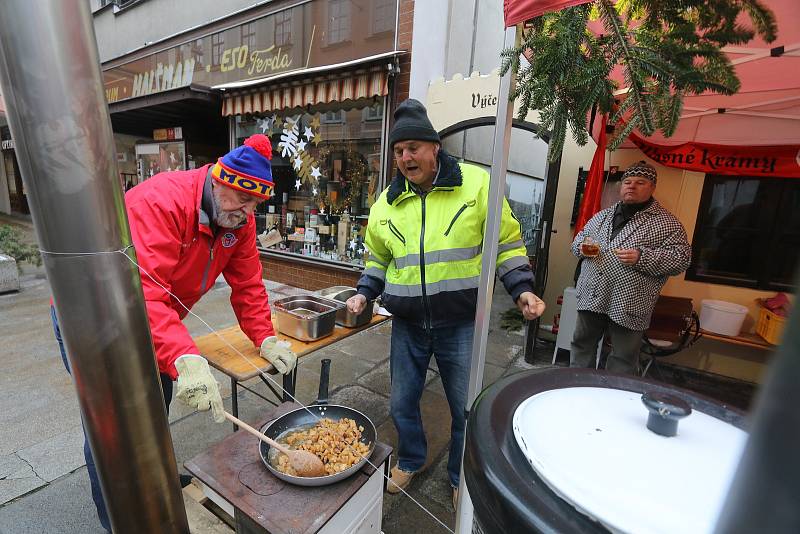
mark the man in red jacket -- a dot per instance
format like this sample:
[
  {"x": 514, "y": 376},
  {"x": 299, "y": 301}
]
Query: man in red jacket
[{"x": 188, "y": 227}]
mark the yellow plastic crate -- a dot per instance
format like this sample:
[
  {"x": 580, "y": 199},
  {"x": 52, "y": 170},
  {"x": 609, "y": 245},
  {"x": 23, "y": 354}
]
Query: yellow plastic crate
[{"x": 770, "y": 326}]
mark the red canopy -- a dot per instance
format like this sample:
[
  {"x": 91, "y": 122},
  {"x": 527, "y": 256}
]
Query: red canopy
[
  {"x": 517, "y": 11},
  {"x": 766, "y": 110}
]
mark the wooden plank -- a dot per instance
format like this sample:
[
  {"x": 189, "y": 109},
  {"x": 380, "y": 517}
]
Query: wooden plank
[
  {"x": 745, "y": 340},
  {"x": 243, "y": 361}
]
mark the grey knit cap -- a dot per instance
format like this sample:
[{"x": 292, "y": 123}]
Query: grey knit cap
[
  {"x": 643, "y": 169},
  {"x": 411, "y": 122}
]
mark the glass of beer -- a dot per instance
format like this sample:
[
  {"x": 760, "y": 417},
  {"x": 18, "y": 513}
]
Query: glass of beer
[{"x": 589, "y": 247}]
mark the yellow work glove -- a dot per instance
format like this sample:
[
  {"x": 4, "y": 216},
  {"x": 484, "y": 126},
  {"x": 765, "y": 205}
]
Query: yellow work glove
[
  {"x": 278, "y": 354},
  {"x": 197, "y": 387}
]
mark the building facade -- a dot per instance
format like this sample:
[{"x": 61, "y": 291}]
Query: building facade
[{"x": 319, "y": 77}]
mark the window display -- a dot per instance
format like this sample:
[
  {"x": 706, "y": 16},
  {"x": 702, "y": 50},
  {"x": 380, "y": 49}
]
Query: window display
[
  {"x": 327, "y": 175},
  {"x": 153, "y": 158}
]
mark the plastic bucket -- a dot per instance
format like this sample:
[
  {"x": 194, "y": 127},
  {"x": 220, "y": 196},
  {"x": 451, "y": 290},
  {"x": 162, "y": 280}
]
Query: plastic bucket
[{"x": 722, "y": 317}]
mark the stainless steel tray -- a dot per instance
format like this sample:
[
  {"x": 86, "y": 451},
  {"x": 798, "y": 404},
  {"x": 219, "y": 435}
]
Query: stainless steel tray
[
  {"x": 306, "y": 317},
  {"x": 345, "y": 317}
]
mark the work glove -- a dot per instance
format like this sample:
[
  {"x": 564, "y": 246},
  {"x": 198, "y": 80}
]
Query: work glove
[
  {"x": 197, "y": 387},
  {"x": 278, "y": 354}
]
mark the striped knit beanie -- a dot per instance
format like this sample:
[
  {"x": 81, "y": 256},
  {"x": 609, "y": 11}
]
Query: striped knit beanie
[{"x": 247, "y": 168}]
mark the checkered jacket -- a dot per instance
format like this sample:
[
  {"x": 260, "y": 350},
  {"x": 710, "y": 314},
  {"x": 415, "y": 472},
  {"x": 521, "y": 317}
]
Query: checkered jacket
[{"x": 628, "y": 293}]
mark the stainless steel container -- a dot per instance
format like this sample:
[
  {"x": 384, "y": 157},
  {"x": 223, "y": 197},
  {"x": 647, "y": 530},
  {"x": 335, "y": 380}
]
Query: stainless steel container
[
  {"x": 345, "y": 317},
  {"x": 306, "y": 317}
]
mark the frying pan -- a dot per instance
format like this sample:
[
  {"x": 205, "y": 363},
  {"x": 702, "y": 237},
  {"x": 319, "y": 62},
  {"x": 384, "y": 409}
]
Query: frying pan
[{"x": 301, "y": 419}]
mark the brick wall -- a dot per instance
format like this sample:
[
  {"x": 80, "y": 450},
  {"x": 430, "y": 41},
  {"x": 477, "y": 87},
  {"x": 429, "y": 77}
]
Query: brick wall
[
  {"x": 404, "y": 32},
  {"x": 305, "y": 275}
]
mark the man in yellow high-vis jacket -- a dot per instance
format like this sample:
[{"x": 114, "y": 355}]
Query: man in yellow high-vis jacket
[{"x": 425, "y": 237}]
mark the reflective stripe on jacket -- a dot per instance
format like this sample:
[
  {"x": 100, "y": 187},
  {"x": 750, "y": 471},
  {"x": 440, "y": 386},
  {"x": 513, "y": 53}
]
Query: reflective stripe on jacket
[
  {"x": 177, "y": 247},
  {"x": 426, "y": 249}
]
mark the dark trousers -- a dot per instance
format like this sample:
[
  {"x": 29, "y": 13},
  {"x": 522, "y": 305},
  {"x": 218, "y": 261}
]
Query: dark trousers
[
  {"x": 410, "y": 354},
  {"x": 590, "y": 328},
  {"x": 97, "y": 494}
]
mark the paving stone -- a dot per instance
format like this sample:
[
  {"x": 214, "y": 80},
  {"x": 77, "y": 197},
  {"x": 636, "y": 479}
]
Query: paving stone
[
  {"x": 402, "y": 515},
  {"x": 16, "y": 478},
  {"x": 374, "y": 406},
  {"x": 57, "y": 456},
  {"x": 345, "y": 368},
  {"x": 63, "y": 506},
  {"x": 378, "y": 379},
  {"x": 435, "y": 422},
  {"x": 491, "y": 373},
  {"x": 436, "y": 486},
  {"x": 372, "y": 344},
  {"x": 502, "y": 349}
]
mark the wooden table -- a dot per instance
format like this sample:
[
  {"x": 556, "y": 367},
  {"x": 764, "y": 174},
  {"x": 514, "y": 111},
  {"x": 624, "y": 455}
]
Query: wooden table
[
  {"x": 232, "y": 474},
  {"x": 231, "y": 352},
  {"x": 746, "y": 340}
]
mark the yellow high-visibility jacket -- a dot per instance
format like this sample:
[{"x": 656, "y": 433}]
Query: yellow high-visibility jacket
[{"x": 425, "y": 249}]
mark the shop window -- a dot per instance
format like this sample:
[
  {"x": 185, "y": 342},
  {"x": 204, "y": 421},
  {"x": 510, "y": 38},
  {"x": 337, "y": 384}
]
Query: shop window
[
  {"x": 249, "y": 35},
  {"x": 747, "y": 232},
  {"x": 383, "y": 15},
  {"x": 373, "y": 113},
  {"x": 338, "y": 21},
  {"x": 217, "y": 46},
  {"x": 327, "y": 175},
  {"x": 283, "y": 28},
  {"x": 333, "y": 117}
]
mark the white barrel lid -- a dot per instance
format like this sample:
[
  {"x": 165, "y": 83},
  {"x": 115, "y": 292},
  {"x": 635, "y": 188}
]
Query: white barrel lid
[{"x": 592, "y": 447}]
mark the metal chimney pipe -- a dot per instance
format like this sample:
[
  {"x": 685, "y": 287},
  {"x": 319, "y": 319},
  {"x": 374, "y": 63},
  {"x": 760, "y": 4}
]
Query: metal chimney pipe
[{"x": 50, "y": 79}]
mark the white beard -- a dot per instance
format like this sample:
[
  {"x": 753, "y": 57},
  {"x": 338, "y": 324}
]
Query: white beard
[
  {"x": 227, "y": 219},
  {"x": 230, "y": 219}
]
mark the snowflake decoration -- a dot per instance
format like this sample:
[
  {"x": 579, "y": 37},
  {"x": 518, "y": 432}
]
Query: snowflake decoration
[
  {"x": 289, "y": 137},
  {"x": 265, "y": 124}
]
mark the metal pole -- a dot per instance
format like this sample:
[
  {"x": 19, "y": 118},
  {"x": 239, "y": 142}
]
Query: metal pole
[
  {"x": 502, "y": 141},
  {"x": 50, "y": 78}
]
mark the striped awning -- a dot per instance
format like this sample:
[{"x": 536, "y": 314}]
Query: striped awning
[{"x": 334, "y": 88}]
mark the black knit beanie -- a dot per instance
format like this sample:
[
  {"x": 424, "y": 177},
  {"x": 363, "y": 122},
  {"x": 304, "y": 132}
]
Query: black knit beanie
[{"x": 411, "y": 123}]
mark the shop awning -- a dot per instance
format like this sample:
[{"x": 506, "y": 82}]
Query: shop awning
[
  {"x": 337, "y": 89},
  {"x": 365, "y": 78}
]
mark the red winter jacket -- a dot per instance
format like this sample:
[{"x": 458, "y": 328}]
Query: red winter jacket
[{"x": 176, "y": 245}]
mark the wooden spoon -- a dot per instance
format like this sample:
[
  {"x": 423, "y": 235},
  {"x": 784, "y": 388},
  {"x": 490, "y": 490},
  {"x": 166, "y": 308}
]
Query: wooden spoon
[{"x": 305, "y": 463}]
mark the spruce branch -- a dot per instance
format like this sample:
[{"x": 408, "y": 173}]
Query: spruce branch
[{"x": 664, "y": 49}]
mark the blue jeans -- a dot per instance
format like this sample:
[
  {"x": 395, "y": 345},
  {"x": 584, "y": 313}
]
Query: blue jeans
[
  {"x": 411, "y": 350},
  {"x": 94, "y": 480}
]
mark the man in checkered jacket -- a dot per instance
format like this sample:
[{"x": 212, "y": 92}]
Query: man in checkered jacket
[{"x": 641, "y": 244}]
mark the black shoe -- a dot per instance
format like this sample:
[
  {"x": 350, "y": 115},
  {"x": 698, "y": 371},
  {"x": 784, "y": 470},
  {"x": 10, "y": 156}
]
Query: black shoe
[{"x": 185, "y": 480}]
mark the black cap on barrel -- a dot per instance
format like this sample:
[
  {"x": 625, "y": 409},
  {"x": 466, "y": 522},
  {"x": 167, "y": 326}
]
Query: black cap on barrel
[{"x": 665, "y": 412}]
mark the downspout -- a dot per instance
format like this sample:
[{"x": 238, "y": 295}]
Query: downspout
[{"x": 50, "y": 77}]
